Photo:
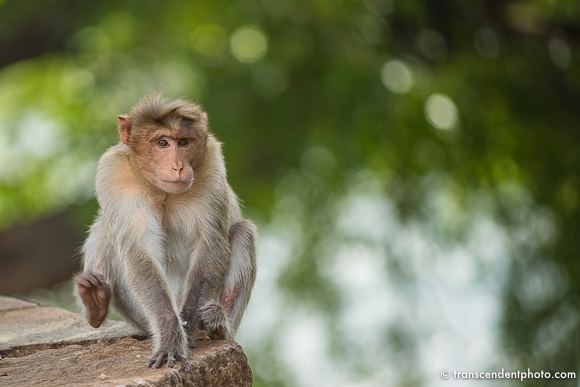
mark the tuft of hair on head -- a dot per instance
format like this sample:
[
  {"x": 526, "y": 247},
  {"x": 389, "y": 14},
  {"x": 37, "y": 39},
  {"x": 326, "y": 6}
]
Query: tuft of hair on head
[{"x": 155, "y": 109}]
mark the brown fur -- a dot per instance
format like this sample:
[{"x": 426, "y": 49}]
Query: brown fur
[{"x": 170, "y": 242}]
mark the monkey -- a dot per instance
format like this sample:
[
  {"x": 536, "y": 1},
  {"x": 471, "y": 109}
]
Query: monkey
[{"x": 169, "y": 249}]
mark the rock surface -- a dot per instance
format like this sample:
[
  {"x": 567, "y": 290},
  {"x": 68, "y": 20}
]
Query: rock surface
[{"x": 48, "y": 346}]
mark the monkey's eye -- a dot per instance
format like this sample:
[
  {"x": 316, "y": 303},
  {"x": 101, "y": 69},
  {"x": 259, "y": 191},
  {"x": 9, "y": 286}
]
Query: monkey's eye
[
  {"x": 162, "y": 143},
  {"x": 182, "y": 142}
]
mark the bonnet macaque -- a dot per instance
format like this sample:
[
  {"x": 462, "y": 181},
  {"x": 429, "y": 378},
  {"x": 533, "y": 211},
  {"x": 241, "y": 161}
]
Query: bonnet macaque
[{"x": 169, "y": 249}]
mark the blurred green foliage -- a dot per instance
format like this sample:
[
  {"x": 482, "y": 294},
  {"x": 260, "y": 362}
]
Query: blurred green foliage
[{"x": 303, "y": 93}]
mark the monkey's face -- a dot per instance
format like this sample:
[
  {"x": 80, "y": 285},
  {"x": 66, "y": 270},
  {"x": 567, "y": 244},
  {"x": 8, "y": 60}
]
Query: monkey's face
[{"x": 169, "y": 159}]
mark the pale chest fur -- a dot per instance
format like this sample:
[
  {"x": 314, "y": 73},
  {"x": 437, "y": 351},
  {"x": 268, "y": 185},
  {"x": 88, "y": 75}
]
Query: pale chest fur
[{"x": 182, "y": 228}]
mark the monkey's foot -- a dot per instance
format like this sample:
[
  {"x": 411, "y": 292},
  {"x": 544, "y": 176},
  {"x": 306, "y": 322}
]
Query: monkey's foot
[
  {"x": 96, "y": 295},
  {"x": 157, "y": 360},
  {"x": 214, "y": 321}
]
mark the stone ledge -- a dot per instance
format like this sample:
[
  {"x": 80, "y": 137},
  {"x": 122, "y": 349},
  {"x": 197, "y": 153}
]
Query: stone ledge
[
  {"x": 47, "y": 346},
  {"x": 10, "y": 303}
]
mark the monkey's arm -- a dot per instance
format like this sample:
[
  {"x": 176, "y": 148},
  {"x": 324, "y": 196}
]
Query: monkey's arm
[{"x": 92, "y": 287}]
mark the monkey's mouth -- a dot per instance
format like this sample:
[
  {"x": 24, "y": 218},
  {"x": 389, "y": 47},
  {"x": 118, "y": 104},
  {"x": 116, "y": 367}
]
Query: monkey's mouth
[
  {"x": 176, "y": 181},
  {"x": 175, "y": 186}
]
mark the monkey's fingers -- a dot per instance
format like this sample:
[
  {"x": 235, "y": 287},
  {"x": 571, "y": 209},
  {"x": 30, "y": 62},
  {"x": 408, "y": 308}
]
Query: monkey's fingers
[
  {"x": 185, "y": 363},
  {"x": 94, "y": 278},
  {"x": 157, "y": 360},
  {"x": 170, "y": 360},
  {"x": 104, "y": 291},
  {"x": 87, "y": 292},
  {"x": 90, "y": 279},
  {"x": 99, "y": 277},
  {"x": 83, "y": 282}
]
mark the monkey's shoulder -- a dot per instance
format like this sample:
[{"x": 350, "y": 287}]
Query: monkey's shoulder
[
  {"x": 115, "y": 175},
  {"x": 114, "y": 157}
]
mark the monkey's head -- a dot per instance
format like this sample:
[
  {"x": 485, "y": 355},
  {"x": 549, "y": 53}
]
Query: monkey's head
[{"x": 166, "y": 140}]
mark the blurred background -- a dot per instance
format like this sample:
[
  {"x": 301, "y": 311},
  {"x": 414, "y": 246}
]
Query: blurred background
[{"x": 412, "y": 165}]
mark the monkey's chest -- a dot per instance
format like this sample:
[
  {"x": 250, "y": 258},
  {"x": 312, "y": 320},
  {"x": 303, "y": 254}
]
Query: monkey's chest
[
  {"x": 181, "y": 244},
  {"x": 181, "y": 251}
]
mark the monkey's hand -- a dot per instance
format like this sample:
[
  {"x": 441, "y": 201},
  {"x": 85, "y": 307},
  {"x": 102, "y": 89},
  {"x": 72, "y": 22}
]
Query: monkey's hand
[
  {"x": 96, "y": 295},
  {"x": 215, "y": 321},
  {"x": 172, "y": 344},
  {"x": 157, "y": 360}
]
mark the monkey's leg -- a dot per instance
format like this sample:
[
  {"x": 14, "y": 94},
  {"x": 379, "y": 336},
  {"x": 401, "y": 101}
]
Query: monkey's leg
[
  {"x": 205, "y": 279},
  {"x": 236, "y": 286},
  {"x": 96, "y": 295}
]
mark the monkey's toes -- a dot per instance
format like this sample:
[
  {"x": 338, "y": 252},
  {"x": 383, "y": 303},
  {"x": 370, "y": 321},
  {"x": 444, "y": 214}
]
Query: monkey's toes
[
  {"x": 218, "y": 334},
  {"x": 214, "y": 321}
]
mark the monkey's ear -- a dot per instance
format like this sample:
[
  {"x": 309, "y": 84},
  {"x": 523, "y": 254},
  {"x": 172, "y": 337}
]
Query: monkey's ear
[
  {"x": 204, "y": 117},
  {"x": 125, "y": 124}
]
